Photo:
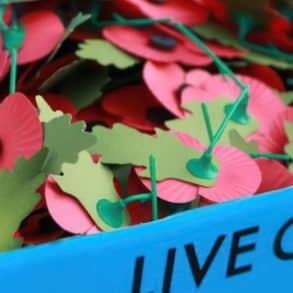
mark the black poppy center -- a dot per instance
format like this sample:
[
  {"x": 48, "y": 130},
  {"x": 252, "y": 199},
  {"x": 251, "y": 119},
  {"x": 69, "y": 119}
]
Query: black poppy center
[
  {"x": 161, "y": 42},
  {"x": 157, "y": 1}
]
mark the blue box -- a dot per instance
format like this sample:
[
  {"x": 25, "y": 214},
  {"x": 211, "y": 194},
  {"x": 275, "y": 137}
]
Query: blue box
[{"x": 240, "y": 246}]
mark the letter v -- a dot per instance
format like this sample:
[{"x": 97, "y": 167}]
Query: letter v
[{"x": 199, "y": 272}]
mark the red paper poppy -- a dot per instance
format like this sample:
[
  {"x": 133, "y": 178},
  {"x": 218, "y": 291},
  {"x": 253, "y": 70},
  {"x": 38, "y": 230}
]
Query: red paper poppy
[
  {"x": 67, "y": 212},
  {"x": 163, "y": 44},
  {"x": 96, "y": 114},
  {"x": 265, "y": 74},
  {"x": 187, "y": 12},
  {"x": 167, "y": 80},
  {"x": 275, "y": 138},
  {"x": 131, "y": 103},
  {"x": 39, "y": 228},
  {"x": 264, "y": 104},
  {"x": 20, "y": 130},
  {"x": 274, "y": 175},
  {"x": 157, "y": 43},
  {"x": 43, "y": 31}
]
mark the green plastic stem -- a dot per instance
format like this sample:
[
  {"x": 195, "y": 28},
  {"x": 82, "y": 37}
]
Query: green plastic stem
[
  {"x": 95, "y": 12},
  {"x": 207, "y": 120},
  {"x": 154, "y": 192},
  {"x": 223, "y": 68},
  {"x": 225, "y": 122},
  {"x": 143, "y": 197},
  {"x": 289, "y": 81},
  {"x": 138, "y": 22},
  {"x": 282, "y": 157},
  {"x": 137, "y": 197},
  {"x": 13, "y": 71}
]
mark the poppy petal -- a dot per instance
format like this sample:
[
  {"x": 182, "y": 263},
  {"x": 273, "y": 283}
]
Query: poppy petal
[
  {"x": 67, "y": 211},
  {"x": 239, "y": 176},
  {"x": 21, "y": 132},
  {"x": 187, "y": 12},
  {"x": 274, "y": 175},
  {"x": 43, "y": 31},
  {"x": 131, "y": 103},
  {"x": 164, "y": 81}
]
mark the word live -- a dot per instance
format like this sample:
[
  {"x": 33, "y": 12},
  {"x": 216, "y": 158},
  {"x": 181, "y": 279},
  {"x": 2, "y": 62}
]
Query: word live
[{"x": 199, "y": 270}]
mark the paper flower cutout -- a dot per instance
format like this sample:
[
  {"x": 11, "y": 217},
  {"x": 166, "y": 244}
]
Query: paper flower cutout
[
  {"x": 97, "y": 184},
  {"x": 167, "y": 80},
  {"x": 163, "y": 44},
  {"x": 239, "y": 176},
  {"x": 274, "y": 175},
  {"x": 67, "y": 211},
  {"x": 21, "y": 132},
  {"x": 44, "y": 30},
  {"x": 275, "y": 138},
  {"x": 187, "y": 12},
  {"x": 131, "y": 103},
  {"x": 157, "y": 43},
  {"x": 264, "y": 105},
  {"x": 164, "y": 81}
]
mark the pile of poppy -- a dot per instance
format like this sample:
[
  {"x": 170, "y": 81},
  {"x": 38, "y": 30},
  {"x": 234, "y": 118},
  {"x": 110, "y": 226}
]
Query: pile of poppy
[{"x": 119, "y": 112}]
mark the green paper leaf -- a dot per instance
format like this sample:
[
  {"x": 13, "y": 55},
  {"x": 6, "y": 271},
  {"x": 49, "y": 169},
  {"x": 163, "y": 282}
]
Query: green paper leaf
[
  {"x": 237, "y": 140},
  {"x": 215, "y": 32},
  {"x": 81, "y": 81},
  {"x": 18, "y": 196},
  {"x": 291, "y": 168},
  {"x": 121, "y": 173},
  {"x": 287, "y": 97},
  {"x": 289, "y": 131},
  {"x": 194, "y": 124},
  {"x": 46, "y": 114},
  {"x": 124, "y": 145},
  {"x": 88, "y": 183},
  {"x": 289, "y": 146},
  {"x": 105, "y": 54},
  {"x": 65, "y": 141}
]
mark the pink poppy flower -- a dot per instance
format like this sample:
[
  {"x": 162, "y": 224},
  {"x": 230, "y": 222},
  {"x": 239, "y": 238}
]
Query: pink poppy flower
[
  {"x": 163, "y": 44},
  {"x": 187, "y": 12},
  {"x": 21, "y": 132},
  {"x": 264, "y": 104},
  {"x": 66, "y": 211},
  {"x": 167, "y": 80},
  {"x": 274, "y": 139},
  {"x": 274, "y": 175},
  {"x": 238, "y": 176}
]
